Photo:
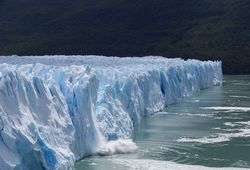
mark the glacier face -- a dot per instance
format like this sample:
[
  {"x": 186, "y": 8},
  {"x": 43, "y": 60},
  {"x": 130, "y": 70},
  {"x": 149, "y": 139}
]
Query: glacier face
[{"x": 55, "y": 110}]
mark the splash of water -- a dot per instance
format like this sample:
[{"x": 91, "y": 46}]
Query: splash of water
[{"x": 119, "y": 146}]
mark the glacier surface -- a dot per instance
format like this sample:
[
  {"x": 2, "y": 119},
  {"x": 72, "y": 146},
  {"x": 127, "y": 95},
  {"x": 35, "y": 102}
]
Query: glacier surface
[{"x": 54, "y": 110}]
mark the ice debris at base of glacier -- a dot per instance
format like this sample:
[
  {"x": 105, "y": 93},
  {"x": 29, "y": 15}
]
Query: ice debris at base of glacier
[{"x": 55, "y": 110}]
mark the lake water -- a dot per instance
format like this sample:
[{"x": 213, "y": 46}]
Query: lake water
[{"x": 210, "y": 129}]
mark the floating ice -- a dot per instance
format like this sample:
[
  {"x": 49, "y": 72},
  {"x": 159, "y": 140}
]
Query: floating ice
[{"x": 55, "y": 110}]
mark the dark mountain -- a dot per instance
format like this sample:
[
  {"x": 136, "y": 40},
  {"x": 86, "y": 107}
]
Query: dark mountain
[{"x": 202, "y": 29}]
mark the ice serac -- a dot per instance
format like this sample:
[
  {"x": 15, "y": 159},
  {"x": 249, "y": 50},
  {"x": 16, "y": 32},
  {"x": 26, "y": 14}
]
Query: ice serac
[
  {"x": 36, "y": 130},
  {"x": 55, "y": 110}
]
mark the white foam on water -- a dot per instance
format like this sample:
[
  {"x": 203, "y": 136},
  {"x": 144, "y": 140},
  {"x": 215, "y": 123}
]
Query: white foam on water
[
  {"x": 227, "y": 109},
  {"x": 93, "y": 164},
  {"x": 241, "y": 163},
  {"x": 244, "y": 123},
  {"x": 146, "y": 164},
  {"x": 241, "y": 84},
  {"x": 203, "y": 140},
  {"x": 186, "y": 114},
  {"x": 220, "y": 137},
  {"x": 195, "y": 101},
  {"x": 119, "y": 146},
  {"x": 219, "y": 159},
  {"x": 245, "y": 97},
  {"x": 230, "y": 124},
  {"x": 228, "y": 117},
  {"x": 204, "y": 115}
]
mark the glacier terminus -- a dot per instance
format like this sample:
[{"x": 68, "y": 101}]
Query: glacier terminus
[{"x": 55, "y": 110}]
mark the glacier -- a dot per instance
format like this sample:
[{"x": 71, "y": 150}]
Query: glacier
[{"x": 54, "y": 110}]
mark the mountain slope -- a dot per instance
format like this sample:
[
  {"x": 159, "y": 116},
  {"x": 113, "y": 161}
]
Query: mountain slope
[{"x": 205, "y": 29}]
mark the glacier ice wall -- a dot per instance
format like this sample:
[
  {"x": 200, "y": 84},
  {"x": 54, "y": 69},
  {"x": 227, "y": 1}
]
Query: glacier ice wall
[{"x": 55, "y": 110}]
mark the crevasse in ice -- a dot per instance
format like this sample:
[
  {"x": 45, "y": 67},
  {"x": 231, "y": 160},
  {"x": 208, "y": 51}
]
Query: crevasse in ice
[{"x": 55, "y": 110}]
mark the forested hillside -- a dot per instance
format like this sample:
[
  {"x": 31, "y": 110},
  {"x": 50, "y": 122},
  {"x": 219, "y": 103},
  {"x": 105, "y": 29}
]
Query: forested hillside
[{"x": 202, "y": 29}]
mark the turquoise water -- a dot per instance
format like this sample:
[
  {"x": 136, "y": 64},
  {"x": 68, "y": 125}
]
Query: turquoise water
[{"x": 209, "y": 129}]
